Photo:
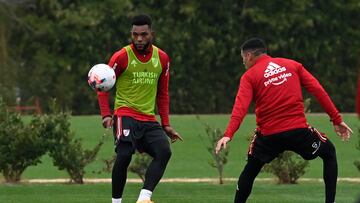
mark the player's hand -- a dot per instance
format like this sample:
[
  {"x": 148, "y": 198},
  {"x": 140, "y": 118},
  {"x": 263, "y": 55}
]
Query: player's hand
[
  {"x": 174, "y": 136},
  {"x": 107, "y": 122},
  {"x": 343, "y": 131},
  {"x": 221, "y": 143}
]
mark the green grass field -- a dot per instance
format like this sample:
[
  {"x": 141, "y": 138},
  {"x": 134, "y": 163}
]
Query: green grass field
[
  {"x": 190, "y": 160},
  {"x": 175, "y": 193}
]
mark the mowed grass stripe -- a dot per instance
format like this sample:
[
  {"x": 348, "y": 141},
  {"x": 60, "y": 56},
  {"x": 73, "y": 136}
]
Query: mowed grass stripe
[
  {"x": 263, "y": 192},
  {"x": 182, "y": 180}
]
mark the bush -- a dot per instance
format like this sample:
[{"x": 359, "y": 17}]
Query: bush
[
  {"x": 140, "y": 164},
  {"x": 108, "y": 165},
  {"x": 21, "y": 145},
  {"x": 66, "y": 151},
  {"x": 219, "y": 160},
  {"x": 288, "y": 167}
]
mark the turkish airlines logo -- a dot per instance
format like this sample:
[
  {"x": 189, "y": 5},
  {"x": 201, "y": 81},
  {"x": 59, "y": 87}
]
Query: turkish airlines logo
[{"x": 273, "y": 69}]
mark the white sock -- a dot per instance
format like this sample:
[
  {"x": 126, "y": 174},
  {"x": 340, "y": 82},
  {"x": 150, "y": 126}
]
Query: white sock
[
  {"x": 116, "y": 200},
  {"x": 144, "y": 195}
]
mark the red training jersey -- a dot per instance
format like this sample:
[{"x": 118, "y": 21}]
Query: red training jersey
[
  {"x": 274, "y": 84},
  {"x": 119, "y": 61}
]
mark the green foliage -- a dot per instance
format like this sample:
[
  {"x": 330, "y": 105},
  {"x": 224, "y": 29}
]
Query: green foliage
[
  {"x": 21, "y": 145},
  {"x": 60, "y": 40},
  {"x": 288, "y": 167},
  {"x": 137, "y": 166},
  {"x": 219, "y": 160},
  {"x": 108, "y": 165},
  {"x": 140, "y": 164},
  {"x": 67, "y": 151},
  {"x": 8, "y": 75}
]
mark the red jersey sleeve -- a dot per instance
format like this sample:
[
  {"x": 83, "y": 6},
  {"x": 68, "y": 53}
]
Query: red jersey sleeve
[
  {"x": 118, "y": 62},
  {"x": 242, "y": 102},
  {"x": 313, "y": 86},
  {"x": 162, "y": 98}
]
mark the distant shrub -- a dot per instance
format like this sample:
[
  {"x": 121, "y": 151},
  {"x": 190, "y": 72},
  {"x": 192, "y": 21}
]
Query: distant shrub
[
  {"x": 67, "y": 151},
  {"x": 219, "y": 160},
  {"x": 288, "y": 167},
  {"x": 21, "y": 145},
  {"x": 140, "y": 164}
]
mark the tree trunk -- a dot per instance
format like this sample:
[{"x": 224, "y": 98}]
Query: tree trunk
[{"x": 12, "y": 176}]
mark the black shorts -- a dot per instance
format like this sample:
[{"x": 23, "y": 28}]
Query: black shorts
[
  {"x": 307, "y": 142},
  {"x": 137, "y": 133}
]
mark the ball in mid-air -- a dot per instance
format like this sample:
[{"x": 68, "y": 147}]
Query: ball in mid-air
[{"x": 101, "y": 77}]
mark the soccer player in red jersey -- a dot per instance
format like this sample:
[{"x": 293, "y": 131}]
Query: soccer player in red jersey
[
  {"x": 142, "y": 78},
  {"x": 274, "y": 84}
]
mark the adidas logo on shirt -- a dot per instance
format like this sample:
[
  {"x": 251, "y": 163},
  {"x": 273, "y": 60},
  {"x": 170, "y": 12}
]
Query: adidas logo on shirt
[{"x": 273, "y": 69}]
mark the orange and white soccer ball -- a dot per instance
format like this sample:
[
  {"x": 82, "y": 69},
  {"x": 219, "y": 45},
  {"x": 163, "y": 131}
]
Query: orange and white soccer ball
[{"x": 101, "y": 77}]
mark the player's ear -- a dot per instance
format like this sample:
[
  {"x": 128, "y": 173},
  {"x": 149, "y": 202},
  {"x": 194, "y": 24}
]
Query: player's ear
[{"x": 251, "y": 56}]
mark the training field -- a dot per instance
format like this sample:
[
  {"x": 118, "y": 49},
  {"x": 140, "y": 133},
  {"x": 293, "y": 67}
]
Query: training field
[
  {"x": 175, "y": 193},
  {"x": 190, "y": 160}
]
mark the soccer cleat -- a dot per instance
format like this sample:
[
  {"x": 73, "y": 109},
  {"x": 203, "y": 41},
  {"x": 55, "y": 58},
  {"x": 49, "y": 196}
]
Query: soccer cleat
[{"x": 145, "y": 201}]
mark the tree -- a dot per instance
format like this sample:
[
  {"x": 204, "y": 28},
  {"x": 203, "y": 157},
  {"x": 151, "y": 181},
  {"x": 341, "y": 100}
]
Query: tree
[
  {"x": 51, "y": 45},
  {"x": 8, "y": 72}
]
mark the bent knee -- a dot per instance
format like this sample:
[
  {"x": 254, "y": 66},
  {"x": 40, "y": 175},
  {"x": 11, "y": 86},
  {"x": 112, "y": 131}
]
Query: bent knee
[
  {"x": 163, "y": 153},
  {"x": 328, "y": 151},
  {"x": 166, "y": 153}
]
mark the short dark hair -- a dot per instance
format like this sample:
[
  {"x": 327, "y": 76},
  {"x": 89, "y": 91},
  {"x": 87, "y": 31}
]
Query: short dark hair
[
  {"x": 255, "y": 45},
  {"x": 141, "y": 19}
]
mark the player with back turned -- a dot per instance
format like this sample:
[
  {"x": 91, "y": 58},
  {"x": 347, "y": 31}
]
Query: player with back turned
[{"x": 274, "y": 84}]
